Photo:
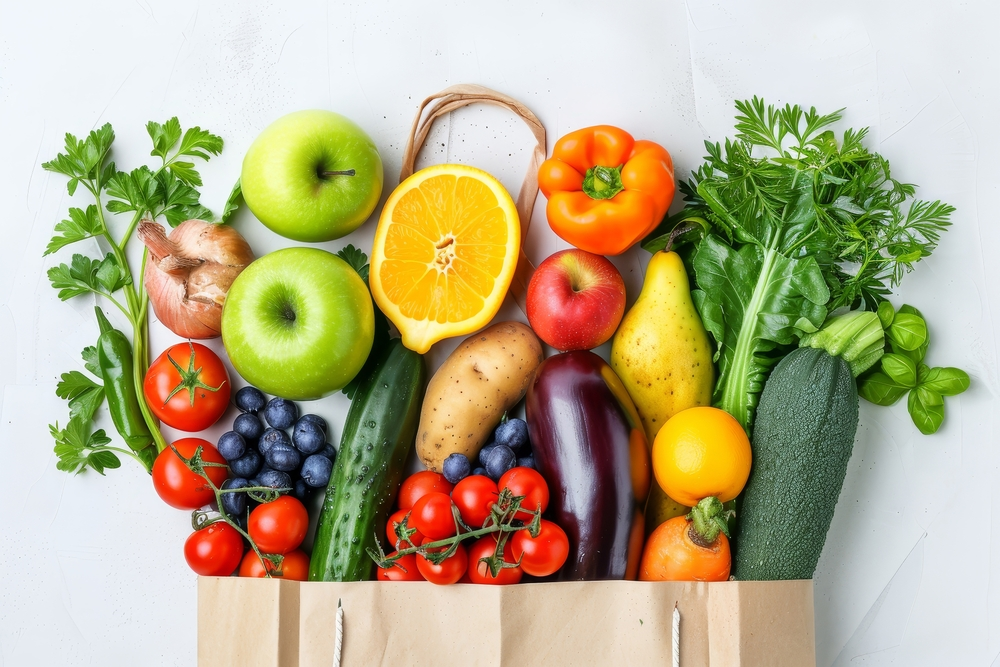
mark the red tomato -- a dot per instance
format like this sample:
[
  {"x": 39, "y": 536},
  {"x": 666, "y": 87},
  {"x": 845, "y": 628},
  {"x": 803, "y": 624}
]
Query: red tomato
[
  {"x": 431, "y": 515},
  {"x": 420, "y": 484},
  {"x": 295, "y": 567},
  {"x": 214, "y": 551},
  {"x": 541, "y": 556},
  {"x": 396, "y": 573},
  {"x": 177, "y": 485},
  {"x": 278, "y": 526},
  {"x": 474, "y": 496},
  {"x": 530, "y": 484},
  {"x": 479, "y": 571},
  {"x": 187, "y": 387},
  {"x": 448, "y": 572},
  {"x": 390, "y": 530}
]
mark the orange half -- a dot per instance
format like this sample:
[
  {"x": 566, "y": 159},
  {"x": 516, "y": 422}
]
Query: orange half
[{"x": 444, "y": 253}]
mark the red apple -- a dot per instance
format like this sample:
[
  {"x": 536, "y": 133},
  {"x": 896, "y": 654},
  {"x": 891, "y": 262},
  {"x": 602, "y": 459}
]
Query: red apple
[{"x": 576, "y": 300}]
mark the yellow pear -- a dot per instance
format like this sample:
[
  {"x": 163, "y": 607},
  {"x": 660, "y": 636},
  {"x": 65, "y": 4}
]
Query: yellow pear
[{"x": 661, "y": 350}]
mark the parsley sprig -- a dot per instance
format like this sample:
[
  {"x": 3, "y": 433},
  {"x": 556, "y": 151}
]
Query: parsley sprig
[{"x": 167, "y": 191}]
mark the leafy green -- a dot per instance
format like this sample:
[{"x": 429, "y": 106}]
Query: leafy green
[
  {"x": 232, "y": 203},
  {"x": 903, "y": 371},
  {"x": 85, "y": 275},
  {"x": 800, "y": 223},
  {"x": 84, "y": 159},
  {"x": 82, "y": 224},
  {"x": 160, "y": 194},
  {"x": 856, "y": 337},
  {"x": 84, "y": 395},
  {"x": 78, "y": 448},
  {"x": 358, "y": 261}
]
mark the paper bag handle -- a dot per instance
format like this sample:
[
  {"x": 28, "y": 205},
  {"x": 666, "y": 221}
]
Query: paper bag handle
[{"x": 455, "y": 97}]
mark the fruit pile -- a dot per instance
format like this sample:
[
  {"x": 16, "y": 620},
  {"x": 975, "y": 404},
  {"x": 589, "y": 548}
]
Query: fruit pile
[{"x": 620, "y": 468}]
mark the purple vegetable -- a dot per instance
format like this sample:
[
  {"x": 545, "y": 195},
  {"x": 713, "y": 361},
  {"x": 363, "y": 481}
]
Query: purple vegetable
[{"x": 580, "y": 436}]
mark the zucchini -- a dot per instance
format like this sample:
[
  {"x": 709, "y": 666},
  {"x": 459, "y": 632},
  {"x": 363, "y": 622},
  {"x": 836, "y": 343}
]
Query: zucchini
[
  {"x": 802, "y": 441},
  {"x": 378, "y": 435}
]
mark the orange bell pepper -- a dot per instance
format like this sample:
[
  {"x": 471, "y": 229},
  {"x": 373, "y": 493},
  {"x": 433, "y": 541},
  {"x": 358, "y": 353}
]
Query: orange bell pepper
[{"x": 606, "y": 190}]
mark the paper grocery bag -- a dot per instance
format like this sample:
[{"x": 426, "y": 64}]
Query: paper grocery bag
[{"x": 284, "y": 624}]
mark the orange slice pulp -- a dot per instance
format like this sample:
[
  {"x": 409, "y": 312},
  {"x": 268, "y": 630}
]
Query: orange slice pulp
[{"x": 444, "y": 253}]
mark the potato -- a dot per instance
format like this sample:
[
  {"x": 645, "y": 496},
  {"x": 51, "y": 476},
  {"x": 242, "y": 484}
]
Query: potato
[{"x": 483, "y": 378}]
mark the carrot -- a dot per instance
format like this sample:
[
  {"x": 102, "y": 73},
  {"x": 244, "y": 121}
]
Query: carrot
[{"x": 689, "y": 548}]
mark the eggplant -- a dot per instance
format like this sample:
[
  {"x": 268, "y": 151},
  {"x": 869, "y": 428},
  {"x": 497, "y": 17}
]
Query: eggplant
[{"x": 590, "y": 447}]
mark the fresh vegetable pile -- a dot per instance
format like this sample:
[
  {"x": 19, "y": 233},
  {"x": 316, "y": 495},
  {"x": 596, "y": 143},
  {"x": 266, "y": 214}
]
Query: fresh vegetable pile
[{"x": 714, "y": 442}]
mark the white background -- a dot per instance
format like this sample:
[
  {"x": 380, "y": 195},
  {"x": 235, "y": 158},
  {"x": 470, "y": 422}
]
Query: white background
[{"x": 91, "y": 568}]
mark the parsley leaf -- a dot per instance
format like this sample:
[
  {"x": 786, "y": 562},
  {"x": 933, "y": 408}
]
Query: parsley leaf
[
  {"x": 90, "y": 360},
  {"x": 164, "y": 136},
  {"x": 80, "y": 225},
  {"x": 198, "y": 143},
  {"x": 83, "y": 159},
  {"x": 136, "y": 190},
  {"x": 78, "y": 448},
  {"x": 359, "y": 262},
  {"x": 180, "y": 201},
  {"x": 84, "y": 395},
  {"x": 233, "y": 203},
  {"x": 85, "y": 275}
]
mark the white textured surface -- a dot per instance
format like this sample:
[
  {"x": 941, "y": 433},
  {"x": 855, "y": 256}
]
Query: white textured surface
[{"x": 93, "y": 571}]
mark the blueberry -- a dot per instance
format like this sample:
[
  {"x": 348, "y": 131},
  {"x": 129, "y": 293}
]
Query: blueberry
[
  {"x": 272, "y": 437},
  {"x": 514, "y": 434},
  {"x": 250, "y": 399},
  {"x": 484, "y": 453},
  {"x": 308, "y": 437},
  {"x": 235, "y": 504},
  {"x": 329, "y": 452},
  {"x": 300, "y": 489},
  {"x": 274, "y": 479},
  {"x": 283, "y": 457},
  {"x": 248, "y": 425},
  {"x": 526, "y": 462},
  {"x": 480, "y": 471},
  {"x": 232, "y": 445},
  {"x": 456, "y": 467},
  {"x": 247, "y": 465},
  {"x": 315, "y": 419},
  {"x": 316, "y": 470},
  {"x": 501, "y": 459},
  {"x": 280, "y": 413}
]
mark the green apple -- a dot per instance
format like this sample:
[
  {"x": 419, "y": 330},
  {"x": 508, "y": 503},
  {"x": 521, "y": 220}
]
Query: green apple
[
  {"x": 298, "y": 323},
  {"x": 312, "y": 176}
]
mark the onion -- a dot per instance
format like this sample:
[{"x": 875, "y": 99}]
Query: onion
[{"x": 189, "y": 274}]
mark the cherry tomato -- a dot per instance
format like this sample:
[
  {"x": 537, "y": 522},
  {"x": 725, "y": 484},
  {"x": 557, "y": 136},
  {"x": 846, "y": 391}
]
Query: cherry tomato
[
  {"x": 295, "y": 567},
  {"x": 541, "y": 556},
  {"x": 474, "y": 496},
  {"x": 479, "y": 571},
  {"x": 396, "y": 573},
  {"x": 530, "y": 484},
  {"x": 214, "y": 551},
  {"x": 431, "y": 515},
  {"x": 278, "y": 526},
  {"x": 390, "y": 530},
  {"x": 177, "y": 485},
  {"x": 187, "y": 387},
  {"x": 448, "y": 572},
  {"x": 420, "y": 484}
]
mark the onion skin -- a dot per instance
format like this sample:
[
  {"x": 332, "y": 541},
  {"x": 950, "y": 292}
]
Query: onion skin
[{"x": 188, "y": 274}]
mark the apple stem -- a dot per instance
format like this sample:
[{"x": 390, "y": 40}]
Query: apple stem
[{"x": 346, "y": 172}]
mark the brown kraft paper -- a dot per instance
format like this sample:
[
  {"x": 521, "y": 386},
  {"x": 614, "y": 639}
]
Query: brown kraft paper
[{"x": 251, "y": 622}]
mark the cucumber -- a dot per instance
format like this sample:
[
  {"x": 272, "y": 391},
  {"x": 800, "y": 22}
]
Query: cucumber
[
  {"x": 802, "y": 441},
  {"x": 379, "y": 433}
]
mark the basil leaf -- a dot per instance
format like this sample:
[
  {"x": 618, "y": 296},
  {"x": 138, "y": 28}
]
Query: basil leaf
[
  {"x": 927, "y": 418},
  {"x": 908, "y": 331},
  {"x": 886, "y": 313},
  {"x": 946, "y": 381},
  {"x": 878, "y": 388},
  {"x": 901, "y": 369},
  {"x": 929, "y": 397}
]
